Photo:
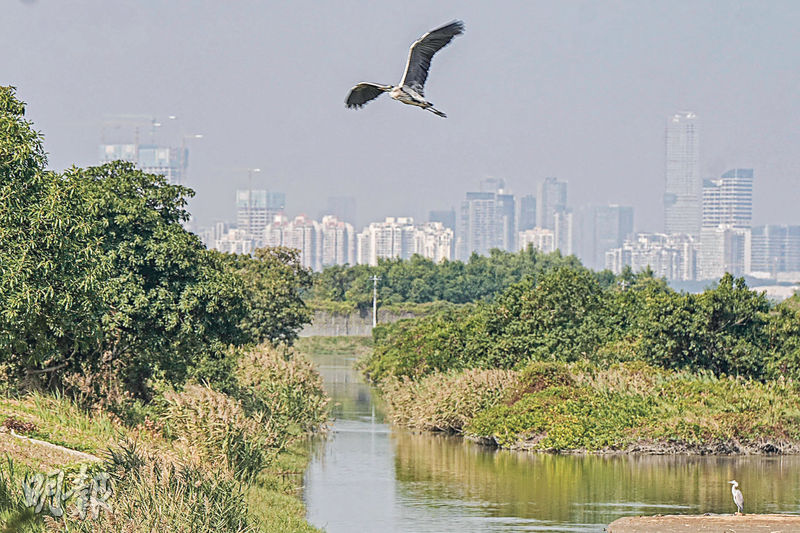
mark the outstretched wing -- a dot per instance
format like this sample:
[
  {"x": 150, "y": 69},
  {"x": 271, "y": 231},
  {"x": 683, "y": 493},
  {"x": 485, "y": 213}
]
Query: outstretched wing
[
  {"x": 421, "y": 53},
  {"x": 363, "y": 93}
]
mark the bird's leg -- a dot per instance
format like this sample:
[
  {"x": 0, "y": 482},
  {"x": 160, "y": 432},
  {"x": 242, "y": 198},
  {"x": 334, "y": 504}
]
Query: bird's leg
[{"x": 436, "y": 111}]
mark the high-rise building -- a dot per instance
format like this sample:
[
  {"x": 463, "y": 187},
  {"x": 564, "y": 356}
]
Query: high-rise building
[
  {"x": 551, "y": 196},
  {"x": 305, "y": 235},
  {"x": 401, "y": 238},
  {"x": 541, "y": 239},
  {"x": 167, "y": 161},
  {"x": 338, "y": 242},
  {"x": 526, "y": 213},
  {"x": 723, "y": 249},
  {"x": 775, "y": 249},
  {"x": 563, "y": 220},
  {"x": 673, "y": 257},
  {"x": 487, "y": 220},
  {"x": 729, "y": 199},
  {"x": 477, "y": 229},
  {"x": 209, "y": 235},
  {"x": 392, "y": 238},
  {"x": 434, "y": 241},
  {"x": 257, "y": 208},
  {"x": 603, "y": 228},
  {"x": 683, "y": 185},
  {"x": 506, "y": 220},
  {"x": 235, "y": 241}
]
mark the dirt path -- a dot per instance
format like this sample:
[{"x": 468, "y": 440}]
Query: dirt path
[{"x": 768, "y": 523}]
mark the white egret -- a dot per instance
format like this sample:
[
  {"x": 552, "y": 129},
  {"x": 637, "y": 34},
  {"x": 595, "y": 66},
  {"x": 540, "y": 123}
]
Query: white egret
[
  {"x": 411, "y": 88},
  {"x": 738, "y": 499}
]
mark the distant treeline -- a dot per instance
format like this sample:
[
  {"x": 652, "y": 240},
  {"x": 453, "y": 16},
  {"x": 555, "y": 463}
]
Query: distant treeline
[
  {"x": 567, "y": 314},
  {"x": 420, "y": 280}
]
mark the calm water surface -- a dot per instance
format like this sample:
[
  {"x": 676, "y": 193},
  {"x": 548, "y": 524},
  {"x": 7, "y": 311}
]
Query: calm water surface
[{"x": 367, "y": 476}]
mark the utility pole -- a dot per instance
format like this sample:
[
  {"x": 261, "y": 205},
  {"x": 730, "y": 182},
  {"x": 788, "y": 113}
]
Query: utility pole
[{"x": 375, "y": 280}]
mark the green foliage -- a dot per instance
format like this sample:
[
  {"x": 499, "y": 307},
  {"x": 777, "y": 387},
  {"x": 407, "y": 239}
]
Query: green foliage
[
  {"x": 104, "y": 292},
  {"x": 420, "y": 280},
  {"x": 450, "y": 340},
  {"x": 567, "y": 314},
  {"x": 15, "y": 517},
  {"x": 284, "y": 387},
  {"x": 580, "y": 406},
  {"x": 560, "y": 318},
  {"x": 784, "y": 337},
  {"x": 51, "y": 265},
  {"x": 155, "y": 495},
  {"x": 722, "y": 330},
  {"x": 563, "y": 418},
  {"x": 170, "y": 301},
  {"x": 274, "y": 281}
]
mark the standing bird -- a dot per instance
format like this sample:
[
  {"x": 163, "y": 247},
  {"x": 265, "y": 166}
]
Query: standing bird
[
  {"x": 410, "y": 90},
  {"x": 738, "y": 499}
]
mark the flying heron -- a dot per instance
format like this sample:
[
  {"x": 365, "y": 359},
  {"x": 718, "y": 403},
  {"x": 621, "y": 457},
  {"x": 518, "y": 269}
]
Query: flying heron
[
  {"x": 738, "y": 499},
  {"x": 411, "y": 87}
]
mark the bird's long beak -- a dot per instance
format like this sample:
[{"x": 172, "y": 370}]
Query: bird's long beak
[{"x": 731, "y": 482}]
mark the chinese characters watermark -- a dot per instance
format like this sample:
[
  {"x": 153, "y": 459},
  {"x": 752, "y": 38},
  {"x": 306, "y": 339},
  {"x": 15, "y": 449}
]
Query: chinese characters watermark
[{"x": 90, "y": 493}]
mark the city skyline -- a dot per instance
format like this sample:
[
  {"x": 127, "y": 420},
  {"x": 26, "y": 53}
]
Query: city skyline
[{"x": 596, "y": 83}]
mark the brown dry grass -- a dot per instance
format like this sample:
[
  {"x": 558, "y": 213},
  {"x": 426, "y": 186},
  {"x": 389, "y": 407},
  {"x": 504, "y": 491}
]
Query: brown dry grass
[{"x": 446, "y": 402}]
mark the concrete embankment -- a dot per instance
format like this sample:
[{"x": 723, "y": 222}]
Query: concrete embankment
[
  {"x": 353, "y": 324},
  {"x": 768, "y": 523}
]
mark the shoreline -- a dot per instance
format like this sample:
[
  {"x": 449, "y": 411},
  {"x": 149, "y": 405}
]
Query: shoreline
[{"x": 720, "y": 449}]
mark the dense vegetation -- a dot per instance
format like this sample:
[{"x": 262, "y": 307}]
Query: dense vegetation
[
  {"x": 420, "y": 280},
  {"x": 98, "y": 278},
  {"x": 695, "y": 370},
  {"x": 121, "y": 323},
  {"x": 567, "y": 315},
  {"x": 201, "y": 460},
  {"x": 630, "y": 407}
]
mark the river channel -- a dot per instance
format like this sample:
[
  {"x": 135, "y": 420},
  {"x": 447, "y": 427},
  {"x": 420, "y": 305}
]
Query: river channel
[{"x": 366, "y": 476}]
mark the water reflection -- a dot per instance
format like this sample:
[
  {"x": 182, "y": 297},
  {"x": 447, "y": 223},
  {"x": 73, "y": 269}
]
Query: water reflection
[{"x": 368, "y": 478}]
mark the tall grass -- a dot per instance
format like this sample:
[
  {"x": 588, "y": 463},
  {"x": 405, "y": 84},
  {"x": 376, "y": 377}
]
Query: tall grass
[
  {"x": 160, "y": 496},
  {"x": 203, "y": 462},
  {"x": 284, "y": 387},
  {"x": 446, "y": 402},
  {"x": 629, "y": 406},
  {"x": 15, "y": 517}
]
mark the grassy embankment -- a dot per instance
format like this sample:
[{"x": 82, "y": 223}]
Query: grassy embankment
[
  {"x": 576, "y": 407},
  {"x": 191, "y": 460},
  {"x": 565, "y": 364}
]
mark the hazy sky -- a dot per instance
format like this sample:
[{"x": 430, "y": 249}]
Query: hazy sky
[{"x": 576, "y": 90}]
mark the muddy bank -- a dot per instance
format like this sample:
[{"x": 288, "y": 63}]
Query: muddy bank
[
  {"x": 733, "y": 447},
  {"x": 771, "y": 523}
]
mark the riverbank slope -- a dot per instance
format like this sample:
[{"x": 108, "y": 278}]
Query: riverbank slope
[{"x": 196, "y": 459}]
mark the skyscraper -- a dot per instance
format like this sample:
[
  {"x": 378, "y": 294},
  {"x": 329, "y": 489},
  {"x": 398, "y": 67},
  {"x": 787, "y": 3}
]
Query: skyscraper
[
  {"x": 526, "y": 213},
  {"x": 338, "y": 242},
  {"x": 563, "y": 220},
  {"x": 487, "y": 220},
  {"x": 392, "y": 238},
  {"x": 682, "y": 184},
  {"x": 255, "y": 209},
  {"x": 775, "y": 249},
  {"x": 477, "y": 229},
  {"x": 551, "y": 197},
  {"x": 602, "y": 228},
  {"x": 729, "y": 199}
]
